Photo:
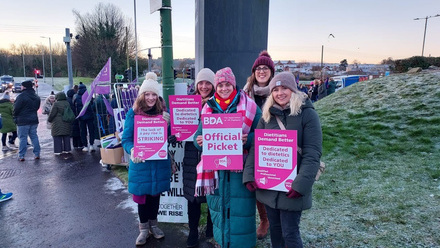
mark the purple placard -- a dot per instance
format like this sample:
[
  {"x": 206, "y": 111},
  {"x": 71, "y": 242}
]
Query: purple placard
[
  {"x": 150, "y": 137},
  {"x": 222, "y": 141},
  {"x": 275, "y": 159},
  {"x": 185, "y": 114}
]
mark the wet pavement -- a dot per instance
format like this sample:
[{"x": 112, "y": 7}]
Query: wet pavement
[{"x": 69, "y": 201}]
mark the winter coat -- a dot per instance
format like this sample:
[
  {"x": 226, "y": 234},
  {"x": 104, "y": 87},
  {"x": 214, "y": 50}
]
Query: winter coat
[
  {"x": 77, "y": 102},
  {"x": 322, "y": 91},
  {"x": 47, "y": 106},
  {"x": 151, "y": 177},
  {"x": 190, "y": 161},
  {"x": 75, "y": 124},
  {"x": 315, "y": 91},
  {"x": 26, "y": 106},
  {"x": 59, "y": 127},
  {"x": 6, "y": 109},
  {"x": 310, "y": 140},
  {"x": 331, "y": 87},
  {"x": 232, "y": 206}
]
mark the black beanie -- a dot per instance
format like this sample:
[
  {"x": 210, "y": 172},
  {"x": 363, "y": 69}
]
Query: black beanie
[{"x": 27, "y": 84}]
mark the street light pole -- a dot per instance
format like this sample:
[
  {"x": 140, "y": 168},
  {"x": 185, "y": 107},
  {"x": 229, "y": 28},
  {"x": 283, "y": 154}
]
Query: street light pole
[
  {"x": 50, "y": 55},
  {"x": 150, "y": 56},
  {"x": 136, "y": 40},
  {"x": 426, "y": 24},
  {"x": 24, "y": 67},
  {"x": 44, "y": 71}
]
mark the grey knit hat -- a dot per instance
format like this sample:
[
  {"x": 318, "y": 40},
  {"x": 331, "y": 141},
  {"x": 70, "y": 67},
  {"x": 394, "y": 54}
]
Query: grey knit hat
[
  {"x": 205, "y": 74},
  {"x": 285, "y": 79}
]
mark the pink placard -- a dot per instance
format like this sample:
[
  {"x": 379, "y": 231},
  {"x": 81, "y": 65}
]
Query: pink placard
[
  {"x": 222, "y": 141},
  {"x": 150, "y": 137},
  {"x": 185, "y": 114},
  {"x": 275, "y": 159}
]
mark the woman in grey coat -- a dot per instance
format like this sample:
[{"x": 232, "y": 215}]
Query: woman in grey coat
[
  {"x": 60, "y": 129},
  {"x": 296, "y": 112}
]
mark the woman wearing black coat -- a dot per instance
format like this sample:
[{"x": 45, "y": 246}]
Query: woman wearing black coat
[
  {"x": 76, "y": 137},
  {"x": 204, "y": 88}
]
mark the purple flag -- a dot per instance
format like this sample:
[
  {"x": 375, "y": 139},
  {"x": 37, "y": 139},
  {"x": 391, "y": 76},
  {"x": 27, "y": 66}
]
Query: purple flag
[
  {"x": 103, "y": 78},
  {"x": 101, "y": 84},
  {"x": 108, "y": 106},
  {"x": 84, "y": 97}
]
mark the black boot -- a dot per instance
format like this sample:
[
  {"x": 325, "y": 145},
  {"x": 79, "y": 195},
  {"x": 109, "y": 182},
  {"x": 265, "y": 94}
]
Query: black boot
[
  {"x": 209, "y": 232},
  {"x": 193, "y": 222}
]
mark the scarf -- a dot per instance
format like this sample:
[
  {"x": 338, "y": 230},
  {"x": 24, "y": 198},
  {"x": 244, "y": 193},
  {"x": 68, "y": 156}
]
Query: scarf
[
  {"x": 224, "y": 103},
  {"x": 261, "y": 91},
  {"x": 207, "y": 180}
]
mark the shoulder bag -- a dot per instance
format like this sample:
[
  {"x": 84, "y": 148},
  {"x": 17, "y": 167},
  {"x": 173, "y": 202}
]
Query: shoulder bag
[{"x": 321, "y": 164}]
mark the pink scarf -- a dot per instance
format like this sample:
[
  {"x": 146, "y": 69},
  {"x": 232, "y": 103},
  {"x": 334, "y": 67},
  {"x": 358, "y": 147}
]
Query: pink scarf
[{"x": 207, "y": 180}]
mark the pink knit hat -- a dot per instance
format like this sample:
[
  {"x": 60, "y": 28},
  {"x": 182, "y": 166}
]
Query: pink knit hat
[{"x": 223, "y": 75}]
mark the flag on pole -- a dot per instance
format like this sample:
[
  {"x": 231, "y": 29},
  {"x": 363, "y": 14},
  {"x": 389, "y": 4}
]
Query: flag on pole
[{"x": 100, "y": 85}]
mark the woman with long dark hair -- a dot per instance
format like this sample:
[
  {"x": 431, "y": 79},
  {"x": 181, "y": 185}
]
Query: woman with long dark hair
[{"x": 147, "y": 179}]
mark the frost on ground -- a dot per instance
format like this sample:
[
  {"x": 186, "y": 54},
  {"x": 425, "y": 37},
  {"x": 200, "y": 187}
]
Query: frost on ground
[{"x": 381, "y": 147}]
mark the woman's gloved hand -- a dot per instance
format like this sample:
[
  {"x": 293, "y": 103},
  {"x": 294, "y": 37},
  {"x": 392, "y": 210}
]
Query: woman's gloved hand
[
  {"x": 133, "y": 158},
  {"x": 251, "y": 186},
  {"x": 293, "y": 194}
]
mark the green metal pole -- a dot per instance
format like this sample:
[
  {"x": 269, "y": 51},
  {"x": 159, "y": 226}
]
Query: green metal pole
[{"x": 167, "y": 50}]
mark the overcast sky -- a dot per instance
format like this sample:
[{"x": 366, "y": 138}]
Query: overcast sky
[{"x": 367, "y": 31}]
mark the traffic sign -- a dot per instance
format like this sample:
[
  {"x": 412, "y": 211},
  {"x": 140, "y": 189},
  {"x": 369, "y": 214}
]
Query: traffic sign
[{"x": 119, "y": 77}]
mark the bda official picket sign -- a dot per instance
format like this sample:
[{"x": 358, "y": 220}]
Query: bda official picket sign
[{"x": 222, "y": 141}]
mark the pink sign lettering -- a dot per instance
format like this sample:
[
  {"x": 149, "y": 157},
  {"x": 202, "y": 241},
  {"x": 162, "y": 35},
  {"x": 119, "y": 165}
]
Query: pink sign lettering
[
  {"x": 222, "y": 141},
  {"x": 150, "y": 137},
  {"x": 185, "y": 115},
  {"x": 275, "y": 159}
]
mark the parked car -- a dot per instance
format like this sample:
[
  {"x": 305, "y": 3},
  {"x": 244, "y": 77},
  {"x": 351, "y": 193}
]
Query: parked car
[
  {"x": 6, "y": 82},
  {"x": 17, "y": 87}
]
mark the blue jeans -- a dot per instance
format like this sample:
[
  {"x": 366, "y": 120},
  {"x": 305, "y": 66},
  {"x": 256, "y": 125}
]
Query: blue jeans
[
  {"x": 23, "y": 133},
  {"x": 284, "y": 228}
]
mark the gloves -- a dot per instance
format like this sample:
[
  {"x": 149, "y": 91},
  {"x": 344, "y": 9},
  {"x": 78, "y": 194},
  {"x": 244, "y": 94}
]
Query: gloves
[
  {"x": 292, "y": 194},
  {"x": 251, "y": 186},
  {"x": 166, "y": 117},
  {"x": 133, "y": 158},
  {"x": 172, "y": 139}
]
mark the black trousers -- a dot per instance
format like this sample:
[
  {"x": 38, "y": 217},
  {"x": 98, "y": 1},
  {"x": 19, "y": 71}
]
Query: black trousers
[
  {"x": 61, "y": 144},
  {"x": 83, "y": 126},
  {"x": 149, "y": 210},
  {"x": 194, "y": 213},
  {"x": 11, "y": 138}
]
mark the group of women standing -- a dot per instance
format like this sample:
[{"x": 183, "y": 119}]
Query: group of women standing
[{"x": 232, "y": 200}]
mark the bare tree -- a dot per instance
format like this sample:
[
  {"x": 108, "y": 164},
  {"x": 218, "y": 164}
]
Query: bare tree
[{"x": 102, "y": 34}]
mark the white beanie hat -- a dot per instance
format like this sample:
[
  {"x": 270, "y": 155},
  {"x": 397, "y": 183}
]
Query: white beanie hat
[
  {"x": 205, "y": 74},
  {"x": 150, "y": 84}
]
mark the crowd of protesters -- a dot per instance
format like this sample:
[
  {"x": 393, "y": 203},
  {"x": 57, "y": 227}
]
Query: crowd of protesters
[{"x": 267, "y": 101}]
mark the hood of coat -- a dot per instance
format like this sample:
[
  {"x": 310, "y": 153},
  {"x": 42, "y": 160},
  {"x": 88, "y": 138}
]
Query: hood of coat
[
  {"x": 60, "y": 96},
  {"x": 70, "y": 93},
  {"x": 81, "y": 89},
  {"x": 5, "y": 100}
]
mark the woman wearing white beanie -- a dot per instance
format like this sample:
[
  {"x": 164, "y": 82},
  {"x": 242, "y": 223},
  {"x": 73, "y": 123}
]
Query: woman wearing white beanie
[{"x": 146, "y": 179}]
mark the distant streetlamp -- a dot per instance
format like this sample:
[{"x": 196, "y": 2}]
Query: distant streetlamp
[
  {"x": 50, "y": 53},
  {"x": 149, "y": 56},
  {"x": 424, "y": 34}
]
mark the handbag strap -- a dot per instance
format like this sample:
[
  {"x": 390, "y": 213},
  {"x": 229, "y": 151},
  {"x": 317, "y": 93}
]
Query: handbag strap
[{"x": 282, "y": 127}]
